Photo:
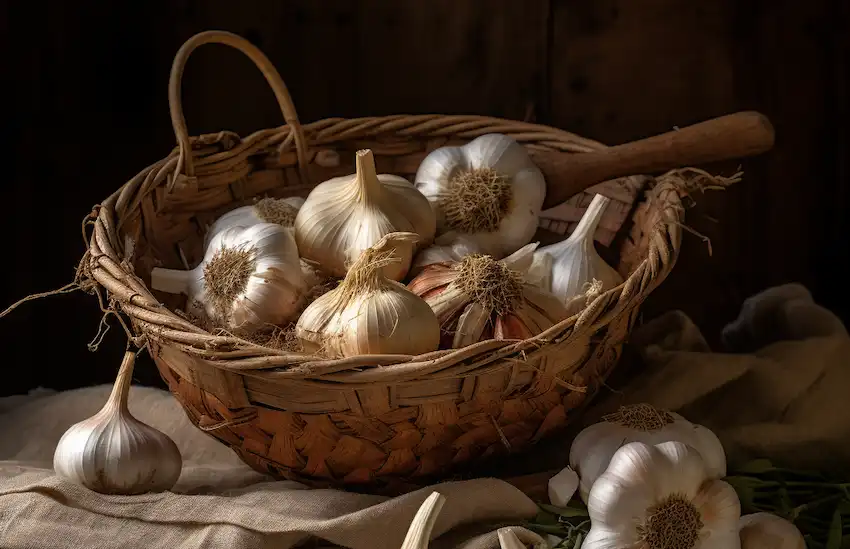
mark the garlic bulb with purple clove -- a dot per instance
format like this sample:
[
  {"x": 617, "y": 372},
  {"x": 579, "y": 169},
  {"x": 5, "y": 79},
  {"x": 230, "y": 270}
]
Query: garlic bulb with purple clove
[
  {"x": 573, "y": 267},
  {"x": 114, "y": 453}
]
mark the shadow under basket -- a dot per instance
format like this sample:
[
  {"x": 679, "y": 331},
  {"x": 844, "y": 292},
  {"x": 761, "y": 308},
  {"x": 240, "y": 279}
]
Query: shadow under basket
[{"x": 370, "y": 422}]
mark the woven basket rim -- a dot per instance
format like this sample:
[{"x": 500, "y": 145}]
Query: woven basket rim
[{"x": 108, "y": 259}]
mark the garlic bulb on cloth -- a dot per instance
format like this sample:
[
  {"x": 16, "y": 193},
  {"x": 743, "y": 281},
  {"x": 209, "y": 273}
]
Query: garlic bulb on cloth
[
  {"x": 768, "y": 531},
  {"x": 281, "y": 211},
  {"x": 250, "y": 278},
  {"x": 114, "y": 453},
  {"x": 569, "y": 269},
  {"x": 481, "y": 298},
  {"x": 345, "y": 216},
  {"x": 661, "y": 497},
  {"x": 593, "y": 448},
  {"x": 488, "y": 190},
  {"x": 369, "y": 313}
]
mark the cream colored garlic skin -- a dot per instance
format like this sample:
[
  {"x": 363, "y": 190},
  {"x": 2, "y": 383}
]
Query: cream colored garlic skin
[
  {"x": 660, "y": 497},
  {"x": 345, "y": 216},
  {"x": 768, "y": 531},
  {"x": 419, "y": 533},
  {"x": 448, "y": 253},
  {"x": 570, "y": 267},
  {"x": 463, "y": 183},
  {"x": 594, "y": 447},
  {"x": 369, "y": 313},
  {"x": 268, "y": 210},
  {"x": 114, "y": 453},
  {"x": 263, "y": 261}
]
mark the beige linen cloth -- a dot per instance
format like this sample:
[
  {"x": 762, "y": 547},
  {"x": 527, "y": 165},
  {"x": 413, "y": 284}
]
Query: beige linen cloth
[{"x": 778, "y": 391}]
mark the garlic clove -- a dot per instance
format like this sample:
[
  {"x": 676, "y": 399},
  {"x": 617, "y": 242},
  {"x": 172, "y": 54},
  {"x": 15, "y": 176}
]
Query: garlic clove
[
  {"x": 508, "y": 539},
  {"x": 345, "y": 216},
  {"x": 768, "y": 531},
  {"x": 419, "y": 533},
  {"x": 562, "y": 487},
  {"x": 471, "y": 325},
  {"x": 488, "y": 190},
  {"x": 114, "y": 453}
]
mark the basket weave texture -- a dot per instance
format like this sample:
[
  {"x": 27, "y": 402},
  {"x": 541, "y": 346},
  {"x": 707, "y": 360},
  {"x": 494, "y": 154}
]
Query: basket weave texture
[{"x": 362, "y": 420}]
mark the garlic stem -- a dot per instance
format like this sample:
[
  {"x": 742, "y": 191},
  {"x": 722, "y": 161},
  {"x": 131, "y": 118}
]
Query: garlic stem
[
  {"x": 366, "y": 176},
  {"x": 420, "y": 529},
  {"x": 590, "y": 220},
  {"x": 121, "y": 389},
  {"x": 171, "y": 281}
]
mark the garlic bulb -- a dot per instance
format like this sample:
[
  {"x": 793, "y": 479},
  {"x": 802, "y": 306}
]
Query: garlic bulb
[
  {"x": 281, "y": 211},
  {"x": 114, "y": 453},
  {"x": 369, "y": 313},
  {"x": 419, "y": 533},
  {"x": 481, "y": 298},
  {"x": 594, "y": 447},
  {"x": 345, "y": 216},
  {"x": 250, "y": 278},
  {"x": 661, "y": 497},
  {"x": 456, "y": 250},
  {"x": 768, "y": 531},
  {"x": 575, "y": 264},
  {"x": 488, "y": 190}
]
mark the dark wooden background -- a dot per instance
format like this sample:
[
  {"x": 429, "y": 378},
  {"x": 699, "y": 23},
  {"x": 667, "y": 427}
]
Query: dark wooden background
[{"x": 86, "y": 109}]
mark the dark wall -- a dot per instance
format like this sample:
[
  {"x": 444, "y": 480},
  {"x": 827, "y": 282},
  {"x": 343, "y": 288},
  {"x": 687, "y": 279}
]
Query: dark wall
[{"x": 87, "y": 109}]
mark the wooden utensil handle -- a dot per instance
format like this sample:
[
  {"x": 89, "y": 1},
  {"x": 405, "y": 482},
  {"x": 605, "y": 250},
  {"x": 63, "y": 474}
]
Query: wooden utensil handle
[{"x": 732, "y": 136}]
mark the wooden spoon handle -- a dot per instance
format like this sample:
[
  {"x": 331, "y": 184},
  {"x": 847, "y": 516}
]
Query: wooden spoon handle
[{"x": 732, "y": 136}]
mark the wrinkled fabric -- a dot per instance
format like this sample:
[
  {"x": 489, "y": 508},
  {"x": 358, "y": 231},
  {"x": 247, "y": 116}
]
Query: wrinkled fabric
[{"x": 776, "y": 390}]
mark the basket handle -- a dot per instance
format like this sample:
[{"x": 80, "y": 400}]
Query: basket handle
[{"x": 284, "y": 100}]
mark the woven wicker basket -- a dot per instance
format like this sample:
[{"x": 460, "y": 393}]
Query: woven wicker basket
[{"x": 368, "y": 420}]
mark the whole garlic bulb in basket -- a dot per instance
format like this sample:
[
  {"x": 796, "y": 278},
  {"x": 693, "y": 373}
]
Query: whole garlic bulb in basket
[
  {"x": 281, "y": 211},
  {"x": 369, "y": 313},
  {"x": 480, "y": 298},
  {"x": 345, "y": 216},
  {"x": 114, "y": 453},
  {"x": 488, "y": 190},
  {"x": 250, "y": 278},
  {"x": 572, "y": 267}
]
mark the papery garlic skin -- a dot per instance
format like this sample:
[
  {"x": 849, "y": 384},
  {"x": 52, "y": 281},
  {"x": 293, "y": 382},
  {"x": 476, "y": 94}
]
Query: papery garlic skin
[
  {"x": 454, "y": 251},
  {"x": 345, "y": 216},
  {"x": 562, "y": 487},
  {"x": 488, "y": 190},
  {"x": 114, "y": 453},
  {"x": 575, "y": 264},
  {"x": 263, "y": 258},
  {"x": 594, "y": 447},
  {"x": 281, "y": 211},
  {"x": 369, "y": 313},
  {"x": 768, "y": 531},
  {"x": 658, "y": 497},
  {"x": 419, "y": 532}
]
